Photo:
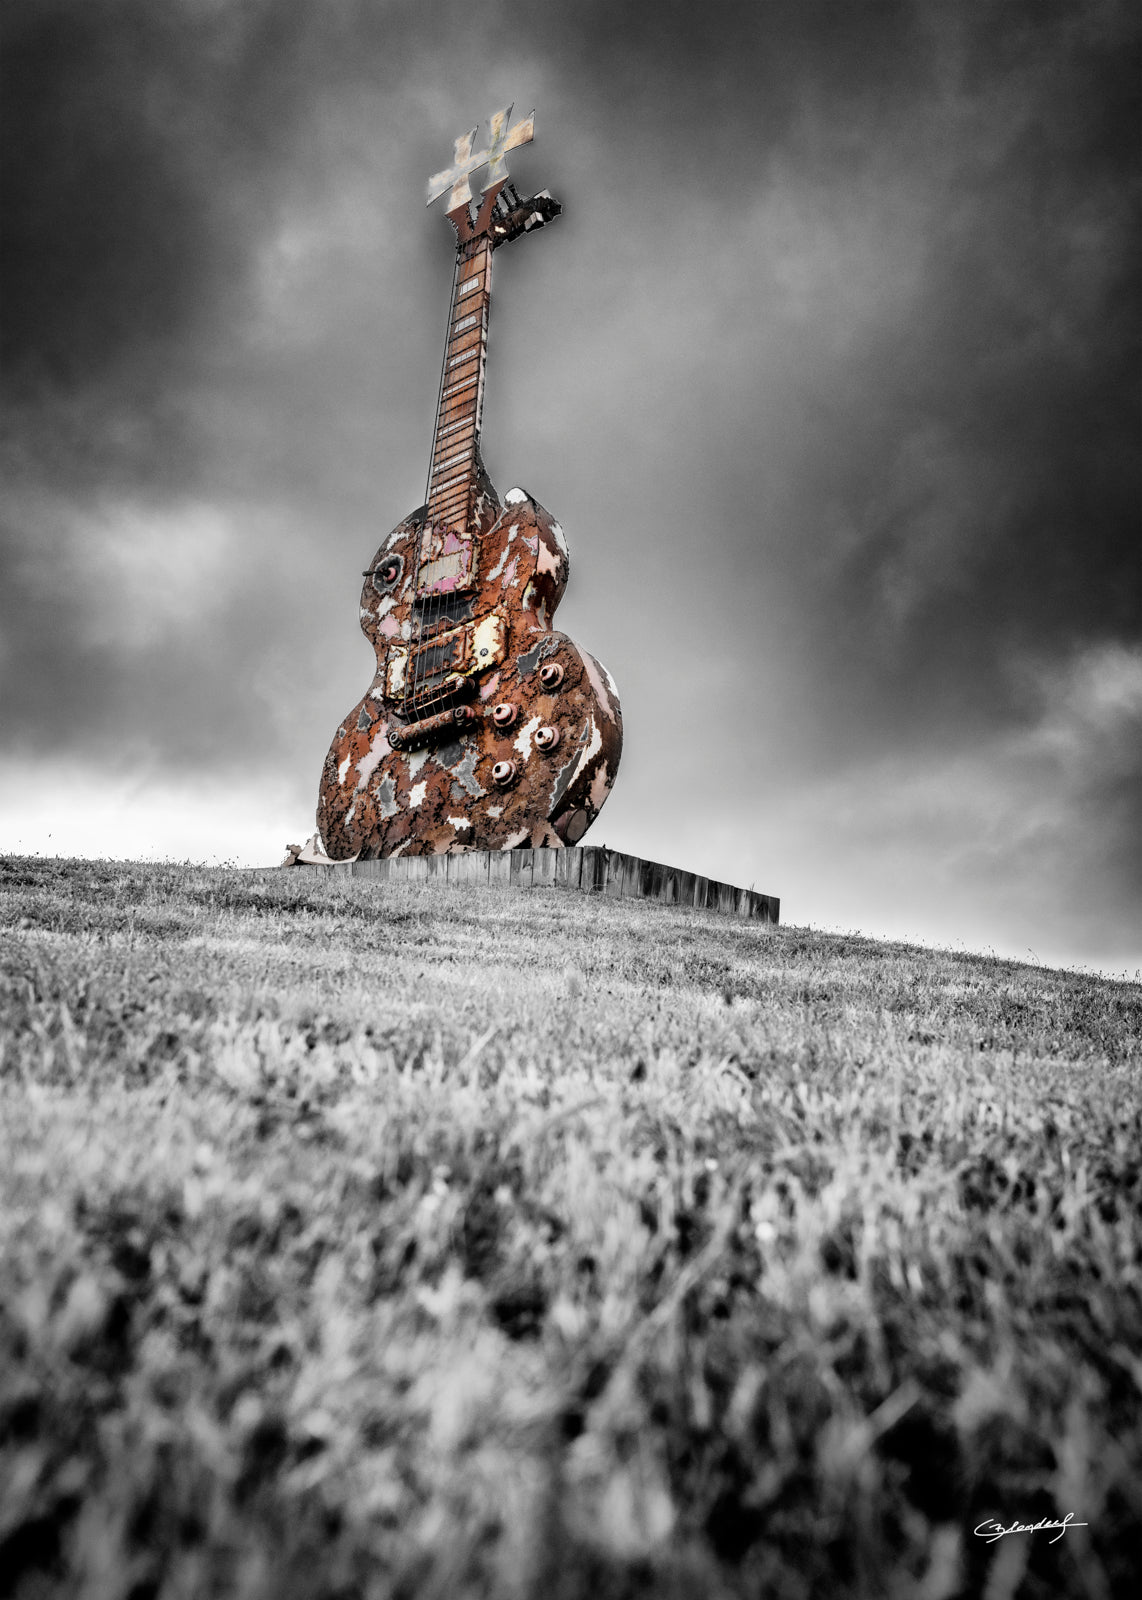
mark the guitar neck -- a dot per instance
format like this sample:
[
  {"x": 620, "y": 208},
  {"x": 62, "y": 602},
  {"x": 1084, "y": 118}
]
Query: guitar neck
[{"x": 456, "y": 440}]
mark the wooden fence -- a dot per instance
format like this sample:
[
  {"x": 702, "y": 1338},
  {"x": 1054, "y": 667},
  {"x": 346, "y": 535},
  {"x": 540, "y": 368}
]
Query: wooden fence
[{"x": 591, "y": 867}]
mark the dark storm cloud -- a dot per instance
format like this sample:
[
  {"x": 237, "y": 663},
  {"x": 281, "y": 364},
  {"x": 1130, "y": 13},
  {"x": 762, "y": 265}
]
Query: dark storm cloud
[
  {"x": 150, "y": 153},
  {"x": 842, "y": 328},
  {"x": 147, "y": 150},
  {"x": 967, "y": 481}
]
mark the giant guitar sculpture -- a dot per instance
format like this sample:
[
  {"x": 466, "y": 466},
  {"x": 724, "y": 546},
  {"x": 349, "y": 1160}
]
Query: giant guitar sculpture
[{"x": 483, "y": 729}]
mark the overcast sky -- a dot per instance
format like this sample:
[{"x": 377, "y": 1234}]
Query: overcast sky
[{"x": 830, "y": 371}]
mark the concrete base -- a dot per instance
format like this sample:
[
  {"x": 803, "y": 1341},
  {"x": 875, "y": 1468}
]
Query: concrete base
[{"x": 589, "y": 867}]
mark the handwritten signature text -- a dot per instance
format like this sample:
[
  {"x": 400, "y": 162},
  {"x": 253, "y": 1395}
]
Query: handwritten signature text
[{"x": 991, "y": 1530}]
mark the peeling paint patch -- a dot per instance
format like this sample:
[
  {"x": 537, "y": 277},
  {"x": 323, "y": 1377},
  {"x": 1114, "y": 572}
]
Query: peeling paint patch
[
  {"x": 415, "y": 761},
  {"x": 549, "y": 560},
  {"x": 523, "y": 738},
  {"x": 386, "y": 799},
  {"x": 563, "y": 779},
  {"x": 600, "y": 787},
  {"x": 514, "y": 840},
  {"x": 417, "y": 793},
  {"x": 528, "y": 662},
  {"x": 594, "y": 674},
  {"x": 465, "y": 774},
  {"x": 594, "y": 743},
  {"x": 516, "y": 496},
  {"x": 459, "y": 822},
  {"x": 343, "y": 769},
  {"x": 370, "y": 760}
]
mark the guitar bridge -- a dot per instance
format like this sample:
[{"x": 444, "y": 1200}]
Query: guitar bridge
[{"x": 411, "y": 735}]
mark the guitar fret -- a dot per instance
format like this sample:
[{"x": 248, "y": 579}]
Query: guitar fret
[
  {"x": 439, "y": 462},
  {"x": 461, "y": 478},
  {"x": 452, "y": 473},
  {"x": 453, "y": 499},
  {"x": 461, "y": 455}
]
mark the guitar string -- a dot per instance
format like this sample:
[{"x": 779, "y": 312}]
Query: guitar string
[
  {"x": 424, "y": 611},
  {"x": 471, "y": 253},
  {"x": 416, "y": 652},
  {"x": 465, "y": 255},
  {"x": 464, "y": 258},
  {"x": 433, "y": 606}
]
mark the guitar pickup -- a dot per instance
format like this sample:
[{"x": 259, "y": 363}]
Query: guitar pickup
[
  {"x": 440, "y": 668},
  {"x": 448, "y": 564}
]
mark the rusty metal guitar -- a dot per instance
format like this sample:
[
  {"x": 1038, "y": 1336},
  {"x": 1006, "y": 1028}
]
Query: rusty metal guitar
[{"x": 484, "y": 728}]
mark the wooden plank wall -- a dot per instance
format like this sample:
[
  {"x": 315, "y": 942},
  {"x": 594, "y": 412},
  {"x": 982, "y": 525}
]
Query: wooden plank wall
[{"x": 587, "y": 867}]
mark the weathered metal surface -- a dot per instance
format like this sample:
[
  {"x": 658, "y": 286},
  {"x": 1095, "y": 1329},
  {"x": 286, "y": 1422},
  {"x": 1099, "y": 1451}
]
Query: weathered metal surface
[
  {"x": 466, "y": 161},
  {"x": 483, "y": 728},
  {"x": 590, "y": 868},
  {"x": 440, "y": 793}
]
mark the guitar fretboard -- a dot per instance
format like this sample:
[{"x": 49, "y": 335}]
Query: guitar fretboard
[{"x": 452, "y": 477}]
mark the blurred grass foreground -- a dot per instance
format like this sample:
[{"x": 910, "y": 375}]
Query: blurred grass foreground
[{"x": 406, "y": 1241}]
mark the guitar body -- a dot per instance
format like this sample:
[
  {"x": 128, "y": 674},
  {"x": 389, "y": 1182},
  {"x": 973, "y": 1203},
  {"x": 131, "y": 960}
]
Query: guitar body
[
  {"x": 483, "y": 728},
  {"x": 482, "y": 782}
]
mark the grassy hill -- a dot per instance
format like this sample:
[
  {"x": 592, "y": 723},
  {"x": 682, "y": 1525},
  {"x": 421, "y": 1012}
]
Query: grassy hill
[{"x": 415, "y": 1241}]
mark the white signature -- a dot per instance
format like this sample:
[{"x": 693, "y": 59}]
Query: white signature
[{"x": 991, "y": 1530}]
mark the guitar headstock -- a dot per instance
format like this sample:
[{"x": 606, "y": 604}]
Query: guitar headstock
[{"x": 501, "y": 213}]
